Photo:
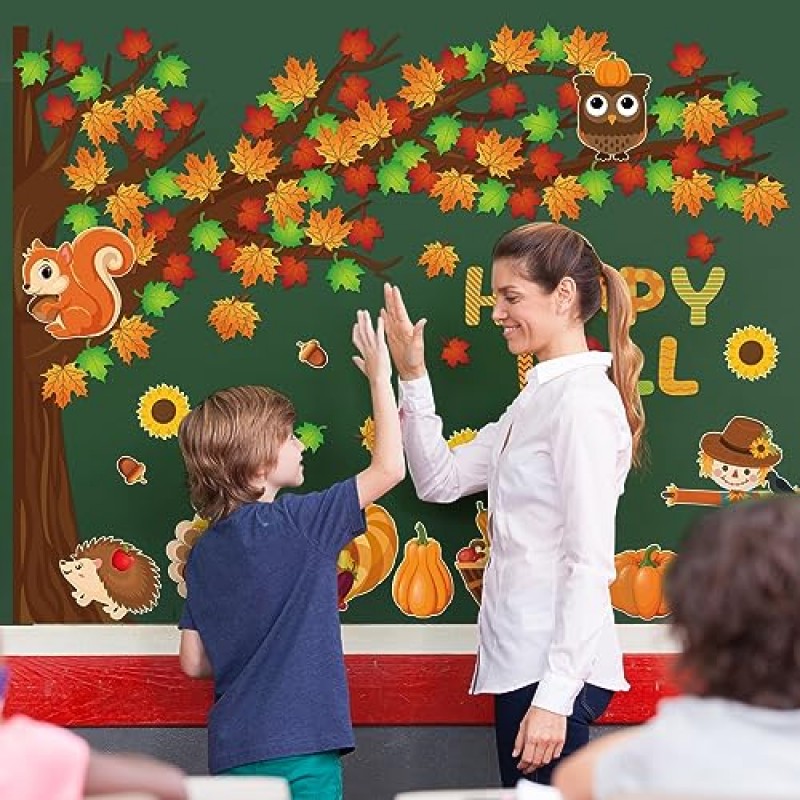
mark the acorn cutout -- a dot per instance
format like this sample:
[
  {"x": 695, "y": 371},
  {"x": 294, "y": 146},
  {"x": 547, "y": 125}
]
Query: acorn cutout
[
  {"x": 131, "y": 470},
  {"x": 312, "y": 353}
]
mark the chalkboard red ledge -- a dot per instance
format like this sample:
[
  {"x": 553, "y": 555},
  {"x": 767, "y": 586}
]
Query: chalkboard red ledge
[{"x": 151, "y": 691}]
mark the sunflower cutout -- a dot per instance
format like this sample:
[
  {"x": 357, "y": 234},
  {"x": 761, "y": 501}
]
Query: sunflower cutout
[
  {"x": 461, "y": 437},
  {"x": 762, "y": 447},
  {"x": 751, "y": 353},
  {"x": 367, "y": 431},
  {"x": 161, "y": 409}
]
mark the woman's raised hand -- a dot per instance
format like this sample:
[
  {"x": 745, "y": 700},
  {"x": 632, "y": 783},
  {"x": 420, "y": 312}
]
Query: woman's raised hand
[{"x": 405, "y": 338}]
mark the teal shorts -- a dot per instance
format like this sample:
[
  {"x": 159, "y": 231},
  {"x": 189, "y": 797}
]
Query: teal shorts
[{"x": 316, "y": 776}]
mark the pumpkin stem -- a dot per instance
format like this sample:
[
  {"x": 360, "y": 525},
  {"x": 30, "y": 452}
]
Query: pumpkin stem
[
  {"x": 422, "y": 534},
  {"x": 647, "y": 560}
]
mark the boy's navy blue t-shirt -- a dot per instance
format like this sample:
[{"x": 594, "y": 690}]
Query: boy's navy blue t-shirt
[{"x": 262, "y": 594}]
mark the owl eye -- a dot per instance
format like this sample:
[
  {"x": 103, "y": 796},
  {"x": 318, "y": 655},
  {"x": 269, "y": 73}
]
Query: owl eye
[
  {"x": 627, "y": 105},
  {"x": 596, "y": 105}
]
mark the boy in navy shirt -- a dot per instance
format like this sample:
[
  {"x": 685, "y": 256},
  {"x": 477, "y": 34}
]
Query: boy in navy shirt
[{"x": 261, "y": 615}]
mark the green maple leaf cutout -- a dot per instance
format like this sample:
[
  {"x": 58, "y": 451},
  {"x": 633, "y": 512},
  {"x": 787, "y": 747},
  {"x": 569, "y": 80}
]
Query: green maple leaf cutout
[
  {"x": 281, "y": 109},
  {"x": 494, "y": 197},
  {"x": 322, "y": 121},
  {"x": 597, "y": 184},
  {"x": 344, "y": 274},
  {"x": 155, "y": 297},
  {"x": 542, "y": 126},
  {"x": 161, "y": 184},
  {"x": 207, "y": 235},
  {"x": 393, "y": 177},
  {"x": 409, "y": 154},
  {"x": 310, "y": 435},
  {"x": 660, "y": 177},
  {"x": 550, "y": 46},
  {"x": 288, "y": 235},
  {"x": 171, "y": 71},
  {"x": 476, "y": 56},
  {"x": 95, "y": 362},
  {"x": 33, "y": 68},
  {"x": 444, "y": 131},
  {"x": 728, "y": 194},
  {"x": 740, "y": 98},
  {"x": 669, "y": 113},
  {"x": 80, "y": 217},
  {"x": 87, "y": 84},
  {"x": 318, "y": 184}
]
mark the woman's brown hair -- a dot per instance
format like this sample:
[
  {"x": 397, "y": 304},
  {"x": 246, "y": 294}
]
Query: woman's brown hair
[{"x": 547, "y": 252}]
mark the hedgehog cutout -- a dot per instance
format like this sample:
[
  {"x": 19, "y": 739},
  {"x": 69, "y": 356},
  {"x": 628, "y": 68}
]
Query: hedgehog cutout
[
  {"x": 113, "y": 573},
  {"x": 187, "y": 532}
]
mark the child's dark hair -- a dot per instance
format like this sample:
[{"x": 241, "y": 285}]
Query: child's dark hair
[
  {"x": 734, "y": 591},
  {"x": 227, "y": 440}
]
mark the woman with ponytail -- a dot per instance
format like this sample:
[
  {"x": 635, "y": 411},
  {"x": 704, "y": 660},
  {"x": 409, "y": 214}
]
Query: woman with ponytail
[{"x": 554, "y": 466}]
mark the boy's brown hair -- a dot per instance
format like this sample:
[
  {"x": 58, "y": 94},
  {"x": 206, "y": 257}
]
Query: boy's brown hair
[{"x": 227, "y": 440}]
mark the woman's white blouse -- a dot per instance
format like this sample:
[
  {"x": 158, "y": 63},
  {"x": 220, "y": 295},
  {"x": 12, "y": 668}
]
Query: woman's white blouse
[{"x": 554, "y": 466}]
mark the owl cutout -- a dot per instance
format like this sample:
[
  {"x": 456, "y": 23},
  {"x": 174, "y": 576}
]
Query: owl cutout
[{"x": 612, "y": 113}]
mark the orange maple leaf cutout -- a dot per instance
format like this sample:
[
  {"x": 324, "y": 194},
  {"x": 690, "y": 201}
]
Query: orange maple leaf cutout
[
  {"x": 126, "y": 205},
  {"x": 762, "y": 199},
  {"x": 255, "y": 262},
  {"x": 424, "y": 83},
  {"x": 373, "y": 124},
  {"x": 438, "y": 259},
  {"x": 100, "y": 122},
  {"x": 498, "y": 156},
  {"x": 340, "y": 146},
  {"x": 144, "y": 243},
  {"x": 453, "y": 189},
  {"x": 142, "y": 106},
  {"x": 89, "y": 171},
  {"x": 285, "y": 202},
  {"x": 689, "y": 193},
  {"x": 561, "y": 198},
  {"x": 454, "y": 352},
  {"x": 129, "y": 338},
  {"x": 62, "y": 382},
  {"x": 254, "y": 161},
  {"x": 699, "y": 118},
  {"x": 300, "y": 82},
  {"x": 328, "y": 230},
  {"x": 513, "y": 52},
  {"x": 585, "y": 51},
  {"x": 202, "y": 177},
  {"x": 231, "y": 317}
]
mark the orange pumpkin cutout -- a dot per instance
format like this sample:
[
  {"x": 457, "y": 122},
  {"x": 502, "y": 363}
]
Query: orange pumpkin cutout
[
  {"x": 612, "y": 71},
  {"x": 638, "y": 589},
  {"x": 422, "y": 586}
]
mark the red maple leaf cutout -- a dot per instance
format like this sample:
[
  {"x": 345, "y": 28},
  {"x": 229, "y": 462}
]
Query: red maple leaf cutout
[
  {"x": 355, "y": 88},
  {"x": 160, "y": 222},
  {"x": 630, "y": 177},
  {"x": 59, "y": 110},
  {"x": 305, "y": 155},
  {"x": 226, "y": 252},
  {"x": 524, "y": 203},
  {"x": 360, "y": 179},
  {"x": 736, "y": 145},
  {"x": 567, "y": 96},
  {"x": 700, "y": 246},
  {"x": 251, "y": 214},
  {"x": 686, "y": 160},
  {"x": 688, "y": 59},
  {"x": 468, "y": 138},
  {"x": 179, "y": 115},
  {"x": 292, "y": 272},
  {"x": 422, "y": 177},
  {"x": 364, "y": 232},
  {"x": 150, "y": 143},
  {"x": 400, "y": 112},
  {"x": 356, "y": 44},
  {"x": 545, "y": 162},
  {"x": 454, "y": 352},
  {"x": 69, "y": 55},
  {"x": 178, "y": 269},
  {"x": 594, "y": 344},
  {"x": 453, "y": 67},
  {"x": 134, "y": 44},
  {"x": 505, "y": 99},
  {"x": 258, "y": 121}
]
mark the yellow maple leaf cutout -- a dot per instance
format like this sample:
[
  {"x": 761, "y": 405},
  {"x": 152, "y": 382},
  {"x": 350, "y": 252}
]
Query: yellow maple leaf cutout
[
  {"x": 255, "y": 262},
  {"x": 129, "y": 338},
  {"x": 126, "y": 205},
  {"x": 438, "y": 259},
  {"x": 89, "y": 171},
  {"x": 373, "y": 124},
  {"x": 328, "y": 230},
  {"x": 453, "y": 189},
  {"x": 143, "y": 243},
  {"x": 142, "y": 106},
  {"x": 254, "y": 161},
  {"x": 424, "y": 83},
  {"x": 367, "y": 431},
  {"x": 300, "y": 82},
  {"x": 498, "y": 156},
  {"x": 340, "y": 146},
  {"x": 561, "y": 198},
  {"x": 762, "y": 199},
  {"x": 231, "y": 317},
  {"x": 62, "y": 382},
  {"x": 689, "y": 193},
  {"x": 514, "y": 52},
  {"x": 699, "y": 118},
  {"x": 585, "y": 51},
  {"x": 202, "y": 177},
  {"x": 100, "y": 122},
  {"x": 285, "y": 202}
]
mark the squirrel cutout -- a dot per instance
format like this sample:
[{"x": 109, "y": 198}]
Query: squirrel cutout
[{"x": 72, "y": 287}]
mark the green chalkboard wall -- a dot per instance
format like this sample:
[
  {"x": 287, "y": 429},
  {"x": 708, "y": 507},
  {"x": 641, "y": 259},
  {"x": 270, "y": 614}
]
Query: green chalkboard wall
[{"x": 232, "y": 54}]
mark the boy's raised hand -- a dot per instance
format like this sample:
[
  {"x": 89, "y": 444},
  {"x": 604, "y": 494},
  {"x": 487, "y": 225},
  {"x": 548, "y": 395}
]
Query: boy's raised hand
[
  {"x": 374, "y": 360},
  {"x": 405, "y": 338}
]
